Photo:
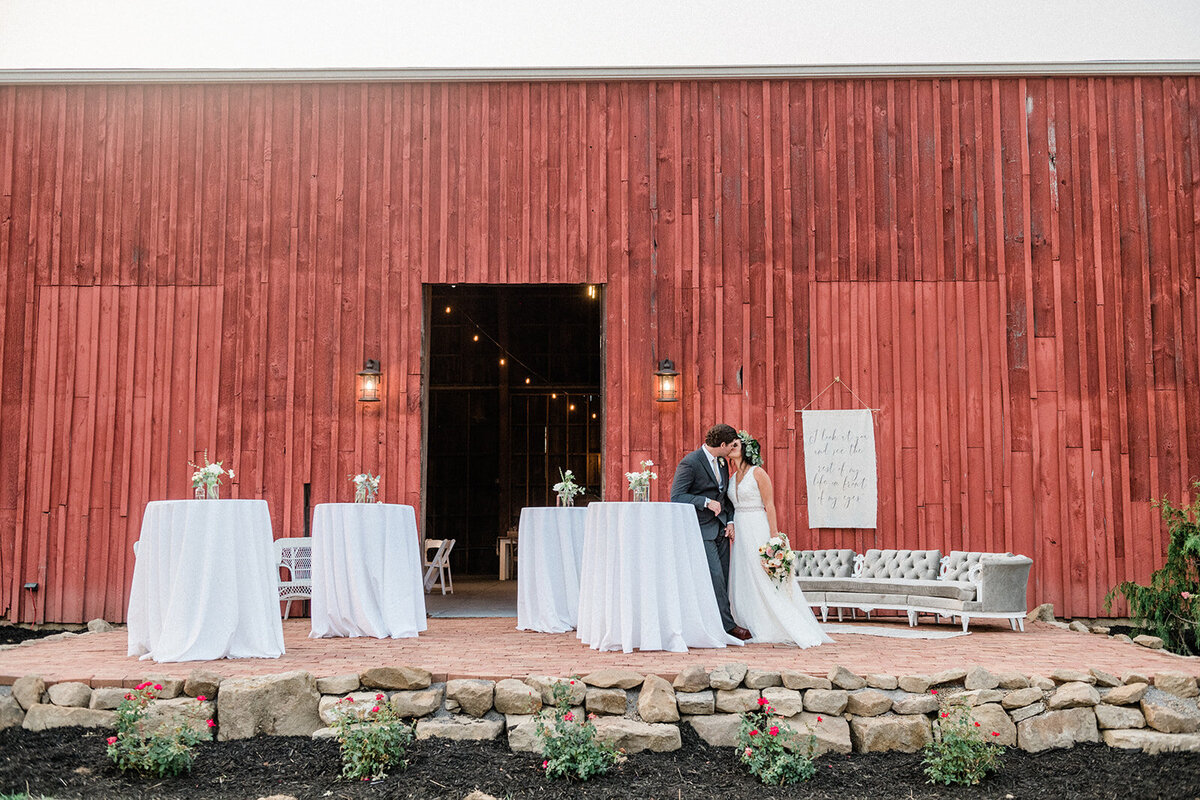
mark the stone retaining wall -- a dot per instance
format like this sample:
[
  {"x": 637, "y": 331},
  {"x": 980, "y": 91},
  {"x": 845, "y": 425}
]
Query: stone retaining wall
[{"x": 846, "y": 712}]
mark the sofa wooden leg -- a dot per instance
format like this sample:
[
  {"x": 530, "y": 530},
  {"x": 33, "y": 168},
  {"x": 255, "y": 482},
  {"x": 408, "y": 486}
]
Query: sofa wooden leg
[
  {"x": 1021, "y": 623},
  {"x": 912, "y": 619},
  {"x": 839, "y": 613},
  {"x": 824, "y": 613},
  {"x": 966, "y": 621}
]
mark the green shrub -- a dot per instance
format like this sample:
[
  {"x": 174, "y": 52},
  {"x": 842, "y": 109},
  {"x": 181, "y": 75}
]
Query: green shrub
[
  {"x": 156, "y": 752},
  {"x": 776, "y": 756},
  {"x": 373, "y": 739},
  {"x": 961, "y": 751},
  {"x": 569, "y": 746},
  {"x": 1168, "y": 607}
]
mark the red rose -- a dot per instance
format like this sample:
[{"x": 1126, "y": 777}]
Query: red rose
[
  {"x": 774, "y": 730},
  {"x": 754, "y": 733},
  {"x": 201, "y": 699}
]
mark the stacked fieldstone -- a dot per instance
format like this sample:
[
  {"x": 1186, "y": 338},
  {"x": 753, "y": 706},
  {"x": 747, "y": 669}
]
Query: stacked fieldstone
[{"x": 844, "y": 711}]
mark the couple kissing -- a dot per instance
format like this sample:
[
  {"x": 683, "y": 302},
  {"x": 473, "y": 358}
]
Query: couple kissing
[{"x": 725, "y": 482}]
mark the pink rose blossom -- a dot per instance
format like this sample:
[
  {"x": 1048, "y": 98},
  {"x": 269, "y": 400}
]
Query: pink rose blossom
[
  {"x": 1186, "y": 595},
  {"x": 995, "y": 733},
  {"x": 201, "y": 699},
  {"x": 158, "y": 687},
  {"x": 933, "y": 691},
  {"x": 544, "y": 763},
  {"x": 762, "y": 701},
  {"x": 112, "y": 740},
  {"x": 569, "y": 716},
  {"x": 774, "y": 730},
  {"x": 375, "y": 710},
  {"x": 976, "y": 724},
  {"x": 819, "y": 719},
  {"x": 379, "y": 696},
  {"x": 748, "y": 752},
  {"x": 754, "y": 732},
  {"x": 212, "y": 724}
]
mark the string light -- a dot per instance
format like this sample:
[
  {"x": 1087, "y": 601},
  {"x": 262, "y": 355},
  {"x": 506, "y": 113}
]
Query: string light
[{"x": 507, "y": 354}]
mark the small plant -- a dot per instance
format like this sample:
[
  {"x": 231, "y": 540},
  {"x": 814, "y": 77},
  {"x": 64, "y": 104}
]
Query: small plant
[
  {"x": 1168, "y": 607},
  {"x": 961, "y": 751},
  {"x": 569, "y": 745},
  {"x": 373, "y": 739},
  {"x": 776, "y": 756},
  {"x": 152, "y": 752},
  {"x": 567, "y": 488}
]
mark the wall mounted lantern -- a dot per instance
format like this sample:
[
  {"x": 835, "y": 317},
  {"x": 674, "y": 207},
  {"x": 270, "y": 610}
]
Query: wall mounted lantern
[
  {"x": 667, "y": 382},
  {"x": 368, "y": 382}
]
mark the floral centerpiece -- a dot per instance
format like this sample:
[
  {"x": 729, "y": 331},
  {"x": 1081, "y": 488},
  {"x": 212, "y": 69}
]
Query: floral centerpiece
[
  {"x": 366, "y": 487},
  {"x": 206, "y": 480},
  {"x": 777, "y": 558},
  {"x": 639, "y": 482},
  {"x": 567, "y": 488}
]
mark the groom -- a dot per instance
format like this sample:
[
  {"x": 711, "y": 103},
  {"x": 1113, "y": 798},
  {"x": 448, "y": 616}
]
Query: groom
[{"x": 701, "y": 480}]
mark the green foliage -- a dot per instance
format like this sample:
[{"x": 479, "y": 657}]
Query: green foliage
[
  {"x": 960, "y": 751},
  {"x": 569, "y": 745},
  {"x": 373, "y": 739},
  {"x": 157, "y": 751},
  {"x": 1168, "y": 607},
  {"x": 776, "y": 756}
]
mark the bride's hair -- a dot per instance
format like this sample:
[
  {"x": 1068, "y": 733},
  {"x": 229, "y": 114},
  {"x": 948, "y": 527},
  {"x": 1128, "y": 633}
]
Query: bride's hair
[{"x": 751, "y": 450}]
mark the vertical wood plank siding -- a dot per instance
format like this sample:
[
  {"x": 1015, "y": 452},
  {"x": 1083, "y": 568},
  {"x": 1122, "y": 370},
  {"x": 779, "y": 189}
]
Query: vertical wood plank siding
[{"x": 1006, "y": 268}]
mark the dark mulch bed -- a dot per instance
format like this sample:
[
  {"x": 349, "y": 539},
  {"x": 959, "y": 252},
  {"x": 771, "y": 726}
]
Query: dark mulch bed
[
  {"x": 15, "y": 634},
  {"x": 69, "y": 763}
]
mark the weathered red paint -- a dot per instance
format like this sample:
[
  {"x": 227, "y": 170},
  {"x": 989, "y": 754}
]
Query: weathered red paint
[{"x": 1007, "y": 268}]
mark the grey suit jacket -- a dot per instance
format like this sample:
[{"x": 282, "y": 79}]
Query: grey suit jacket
[{"x": 696, "y": 484}]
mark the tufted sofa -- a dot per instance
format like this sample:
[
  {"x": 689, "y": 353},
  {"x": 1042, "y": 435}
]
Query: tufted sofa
[{"x": 963, "y": 584}]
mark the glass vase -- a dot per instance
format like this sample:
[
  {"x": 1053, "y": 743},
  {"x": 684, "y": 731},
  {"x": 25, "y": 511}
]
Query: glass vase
[
  {"x": 360, "y": 494},
  {"x": 641, "y": 494},
  {"x": 201, "y": 492},
  {"x": 214, "y": 491},
  {"x": 566, "y": 501}
]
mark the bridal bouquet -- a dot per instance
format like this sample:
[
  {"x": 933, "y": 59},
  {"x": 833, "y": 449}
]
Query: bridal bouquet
[
  {"x": 567, "y": 488},
  {"x": 639, "y": 482},
  {"x": 366, "y": 487},
  {"x": 207, "y": 479},
  {"x": 777, "y": 559}
]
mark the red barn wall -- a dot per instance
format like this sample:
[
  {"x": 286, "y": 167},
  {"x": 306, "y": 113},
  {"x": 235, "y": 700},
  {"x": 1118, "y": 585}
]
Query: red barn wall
[{"x": 1006, "y": 268}]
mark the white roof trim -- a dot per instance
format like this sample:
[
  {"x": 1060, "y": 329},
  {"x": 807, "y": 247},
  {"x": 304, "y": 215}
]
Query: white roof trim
[{"x": 1084, "y": 68}]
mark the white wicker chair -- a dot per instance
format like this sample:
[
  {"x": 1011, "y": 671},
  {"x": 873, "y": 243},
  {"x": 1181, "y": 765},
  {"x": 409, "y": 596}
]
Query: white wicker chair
[
  {"x": 295, "y": 555},
  {"x": 437, "y": 568}
]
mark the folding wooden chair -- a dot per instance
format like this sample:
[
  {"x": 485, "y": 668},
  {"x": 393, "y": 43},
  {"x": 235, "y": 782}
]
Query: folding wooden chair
[{"x": 437, "y": 568}]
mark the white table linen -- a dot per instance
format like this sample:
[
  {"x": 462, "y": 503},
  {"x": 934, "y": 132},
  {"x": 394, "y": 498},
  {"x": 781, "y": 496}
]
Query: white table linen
[
  {"x": 551, "y": 552},
  {"x": 366, "y": 571},
  {"x": 644, "y": 580},
  {"x": 205, "y": 582}
]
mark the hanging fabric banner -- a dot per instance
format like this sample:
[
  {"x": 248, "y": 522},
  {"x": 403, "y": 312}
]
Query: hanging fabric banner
[{"x": 839, "y": 464}]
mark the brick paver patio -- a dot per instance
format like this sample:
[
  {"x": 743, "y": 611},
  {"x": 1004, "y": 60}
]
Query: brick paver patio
[{"x": 493, "y": 648}]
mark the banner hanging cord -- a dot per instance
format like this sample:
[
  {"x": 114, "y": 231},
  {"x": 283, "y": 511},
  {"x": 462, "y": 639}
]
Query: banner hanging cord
[{"x": 837, "y": 379}]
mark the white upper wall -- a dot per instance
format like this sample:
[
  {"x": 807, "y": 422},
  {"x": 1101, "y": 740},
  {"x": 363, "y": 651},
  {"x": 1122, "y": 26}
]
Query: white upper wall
[{"x": 565, "y": 35}]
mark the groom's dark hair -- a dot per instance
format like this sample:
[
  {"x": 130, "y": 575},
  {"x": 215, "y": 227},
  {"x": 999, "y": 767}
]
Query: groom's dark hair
[{"x": 720, "y": 434}]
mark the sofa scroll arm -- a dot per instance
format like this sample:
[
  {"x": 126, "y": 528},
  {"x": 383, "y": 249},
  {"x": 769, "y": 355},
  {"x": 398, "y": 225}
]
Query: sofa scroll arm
[{"x": 1002, "y": 582}]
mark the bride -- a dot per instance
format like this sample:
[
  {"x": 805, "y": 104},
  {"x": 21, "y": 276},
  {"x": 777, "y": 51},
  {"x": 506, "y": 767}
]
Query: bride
[{"x": 773, "y": 612}]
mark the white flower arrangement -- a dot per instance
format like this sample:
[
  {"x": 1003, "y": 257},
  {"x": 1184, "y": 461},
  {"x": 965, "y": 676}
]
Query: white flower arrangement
[
  {"x": 777, "y": 559},
  {"x": 366, "y": 487},
  {"x": 567, "y": 488},
  {"x": 207, "y": 479},
  {"x": 639, "y": 482}
]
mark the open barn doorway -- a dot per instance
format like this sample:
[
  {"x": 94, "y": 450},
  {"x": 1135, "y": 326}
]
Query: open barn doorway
[{"x": 515, "y": 392}]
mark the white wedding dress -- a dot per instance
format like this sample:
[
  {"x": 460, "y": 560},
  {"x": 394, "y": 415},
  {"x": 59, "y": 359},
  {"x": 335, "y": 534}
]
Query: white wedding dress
[{"x": 770, "y": 611}]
